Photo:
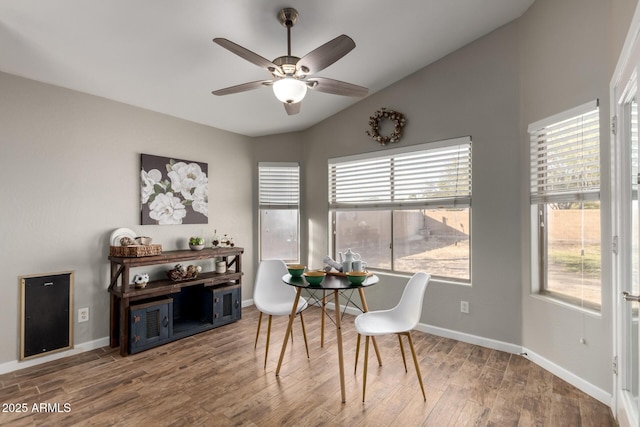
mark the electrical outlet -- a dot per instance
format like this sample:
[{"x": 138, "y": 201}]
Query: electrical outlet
[
  {"x": 83, "y": 315},
  {"x": 464, "y": 307}
]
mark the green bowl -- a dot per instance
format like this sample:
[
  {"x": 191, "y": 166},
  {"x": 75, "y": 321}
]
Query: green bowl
[
  {"x": 296, "y": 270},
  {"x": 357, "y": 277},
  {"x": 314, "y": 277}
]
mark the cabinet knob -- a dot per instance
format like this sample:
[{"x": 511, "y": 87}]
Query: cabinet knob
[
  {"x": 165, "y": 321},
  {"x": 136, "y": 319},
  {"x": 136, "y": 338}
]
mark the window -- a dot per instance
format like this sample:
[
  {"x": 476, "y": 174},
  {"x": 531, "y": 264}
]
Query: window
[
  {"x": 279, "y": 199},
  {"x": 565, "y": 202},
  {"x": 406, "y": 210}
]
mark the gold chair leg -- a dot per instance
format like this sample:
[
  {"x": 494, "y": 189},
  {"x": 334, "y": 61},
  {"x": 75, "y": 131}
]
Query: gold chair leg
[
  {"x": 366, "y": 359},
  {"x": 404, "y": 359},
  {"x": 355, "y": 365},
  {"x": 304, "y": 334},
  {"x": 258, "y": 332},
  {"x": 415, "y": 361},
  {"x": 266, "y": 350}
]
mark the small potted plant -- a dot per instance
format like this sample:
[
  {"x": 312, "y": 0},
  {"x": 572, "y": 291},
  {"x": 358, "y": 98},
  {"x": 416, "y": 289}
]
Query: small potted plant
[{"x": 196, "y": 243}]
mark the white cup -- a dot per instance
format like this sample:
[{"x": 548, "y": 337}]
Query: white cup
[
  {"x": 347, "y": 266},
  {"x": 359, "y": 265}
]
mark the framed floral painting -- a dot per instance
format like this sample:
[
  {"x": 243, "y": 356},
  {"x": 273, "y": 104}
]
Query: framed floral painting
[{"x": 173, "y": 191}]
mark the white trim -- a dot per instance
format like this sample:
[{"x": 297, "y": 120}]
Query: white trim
[
  {"x": 15, "y": 365},
  {"x": 558, "y": 371},
  {"x": 278, "y": 164},
  {"x": 588, "y": 388},
  {"x": 564, "y": 115},
  {"x": 579, "y": 383},
  {"x": 470, "y": 339},
  {"x": 623, "y": 78},
  {"x": 401, "y": 150}
]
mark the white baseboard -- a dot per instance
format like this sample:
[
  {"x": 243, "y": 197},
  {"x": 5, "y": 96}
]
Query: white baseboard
[
  {"x": 574, "y": 380},
  {"x": 14, "y": 365},
  {"x": 588, "y": 388},
  {"x": 471, "y": 339},
  {"x": 579, "y": 383}
]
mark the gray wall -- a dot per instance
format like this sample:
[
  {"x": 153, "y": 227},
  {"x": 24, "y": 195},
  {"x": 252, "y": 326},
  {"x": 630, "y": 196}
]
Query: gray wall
[
  {"x": 568, "y": 54},
  {"x": 472, "y": 92},
  {"x": 70, "y": 163}
]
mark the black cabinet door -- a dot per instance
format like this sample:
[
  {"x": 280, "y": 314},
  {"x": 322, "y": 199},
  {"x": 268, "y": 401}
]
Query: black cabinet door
[
  {"x": 226, "y": 305},
  {"x": 46, "y": 313},
  {"x": 150, "y": 324}
]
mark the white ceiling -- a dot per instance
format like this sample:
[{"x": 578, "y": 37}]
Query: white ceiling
[{"x": 159, "y": 54}]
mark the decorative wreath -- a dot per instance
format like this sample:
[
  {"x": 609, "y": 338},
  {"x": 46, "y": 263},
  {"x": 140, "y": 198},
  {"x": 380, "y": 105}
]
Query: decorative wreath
[{"x": 384, "y": 114}]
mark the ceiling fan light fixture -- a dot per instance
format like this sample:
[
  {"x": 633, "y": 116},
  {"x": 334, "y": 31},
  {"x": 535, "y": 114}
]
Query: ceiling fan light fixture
[{"x": 289, "y": 90}]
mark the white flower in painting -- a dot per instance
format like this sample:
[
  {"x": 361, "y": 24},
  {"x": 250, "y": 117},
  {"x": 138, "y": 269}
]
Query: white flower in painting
[
  {"x": 200, "y": 199},
  {"x": 148, "y": 180},
  {"x": 186, "y": 178},
  {"x": 167, "y": 209}
]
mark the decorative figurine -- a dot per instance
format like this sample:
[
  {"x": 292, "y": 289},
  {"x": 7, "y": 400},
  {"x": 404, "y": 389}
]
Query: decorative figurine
[{"x": 141, "y": 280}]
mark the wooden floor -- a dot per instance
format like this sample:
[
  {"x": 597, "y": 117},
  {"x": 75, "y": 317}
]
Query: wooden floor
[{"x": 217, "y": 379}]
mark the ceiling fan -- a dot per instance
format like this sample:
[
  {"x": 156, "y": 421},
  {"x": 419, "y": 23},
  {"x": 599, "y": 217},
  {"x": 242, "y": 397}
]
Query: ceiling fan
[{"x": 291, "y": 75}]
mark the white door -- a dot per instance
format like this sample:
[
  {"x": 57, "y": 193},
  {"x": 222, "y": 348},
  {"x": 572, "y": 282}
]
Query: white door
[{"x": 626, "y": 228}]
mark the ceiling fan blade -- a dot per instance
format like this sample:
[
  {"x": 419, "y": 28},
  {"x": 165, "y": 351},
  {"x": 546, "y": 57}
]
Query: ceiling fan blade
[
  {"x": 320, "y": 58},
  {"x": 242, "y": 87},
  {"x": 292, "y": 108},
  {"x": 245, "y": 53},
  {"x": 336, "y": 87}
]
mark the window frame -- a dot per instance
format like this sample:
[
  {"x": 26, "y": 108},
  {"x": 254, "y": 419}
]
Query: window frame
[
  {"x": 540, "y": 200},
  {"x": 269, "y": 200},
  {"x": 461, "y": 198}
]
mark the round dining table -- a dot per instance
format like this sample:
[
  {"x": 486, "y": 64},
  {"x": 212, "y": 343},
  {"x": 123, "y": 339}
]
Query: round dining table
[{"x": 338, "y": 284}]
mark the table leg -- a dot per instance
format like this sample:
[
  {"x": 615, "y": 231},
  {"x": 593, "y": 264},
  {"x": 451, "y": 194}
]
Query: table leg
[
  {"x": 324, "y": 303},
  {"x": 339, "y": 338},
  {"x": 366, "y": 308},
  {"x": 286, "y": 335}
]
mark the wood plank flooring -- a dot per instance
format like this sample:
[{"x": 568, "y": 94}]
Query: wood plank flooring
[{"x": 216, "y": 378}]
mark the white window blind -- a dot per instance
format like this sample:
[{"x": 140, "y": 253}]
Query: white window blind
[
  {"x": 565, "y": 156},
  {"x": 279, "y": 185},
  {"x": 433, "y": 174}
]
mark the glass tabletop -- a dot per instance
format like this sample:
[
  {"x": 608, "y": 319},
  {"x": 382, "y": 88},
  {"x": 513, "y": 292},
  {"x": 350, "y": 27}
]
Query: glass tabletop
[{"x": 330, "y": 282}]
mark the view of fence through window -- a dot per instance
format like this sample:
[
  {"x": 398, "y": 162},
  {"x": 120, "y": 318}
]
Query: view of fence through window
[
  {"x": 432, "y": 240},
  {"x": 565, "y": 194},
  {"x": 407, "y": 209}
]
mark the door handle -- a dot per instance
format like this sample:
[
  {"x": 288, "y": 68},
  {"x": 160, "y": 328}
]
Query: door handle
[{"x": 628, "y": 297}]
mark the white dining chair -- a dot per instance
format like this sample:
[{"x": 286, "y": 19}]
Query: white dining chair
[
  {"x": 399, "y": 320},
  {"x": 275, "y": 298}
]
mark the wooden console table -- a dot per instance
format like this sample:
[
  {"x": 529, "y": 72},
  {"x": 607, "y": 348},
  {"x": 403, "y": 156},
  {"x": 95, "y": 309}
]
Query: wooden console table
[{"x": 124, "y": 297}]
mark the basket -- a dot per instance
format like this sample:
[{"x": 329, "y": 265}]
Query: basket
[{"x": 135, "y": 251}]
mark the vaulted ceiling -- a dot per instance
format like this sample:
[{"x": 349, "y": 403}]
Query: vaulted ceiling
[{"x": 159, "y": 54}]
